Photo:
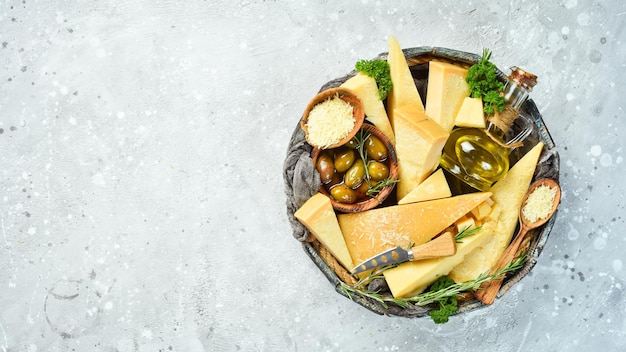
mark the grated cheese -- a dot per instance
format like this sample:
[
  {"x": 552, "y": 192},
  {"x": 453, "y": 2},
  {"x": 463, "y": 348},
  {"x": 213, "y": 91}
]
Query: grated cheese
[
  {"x": 539, "y": 203},
  {"x": 330, "y": 121}
]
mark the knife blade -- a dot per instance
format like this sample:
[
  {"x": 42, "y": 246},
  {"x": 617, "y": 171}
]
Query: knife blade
[{"x": 441, "y": 246}]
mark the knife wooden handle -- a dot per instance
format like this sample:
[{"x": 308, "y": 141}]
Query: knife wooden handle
[{"x": 441, "y": 246}]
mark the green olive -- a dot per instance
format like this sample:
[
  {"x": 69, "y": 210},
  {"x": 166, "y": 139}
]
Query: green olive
[
  {"x": 344, "y": 158},
  {"x": 377, "y": 171},
  {"x": 335, "y": 180},
  {"x": 354, "y": 176},
  {"x": 361, "y": 191},
  {"x": 352, "y": 144},
  {"x": 376, "y": 149},
  {"x": 343, "y": 194},
  {"x": 325, "y": 166}
]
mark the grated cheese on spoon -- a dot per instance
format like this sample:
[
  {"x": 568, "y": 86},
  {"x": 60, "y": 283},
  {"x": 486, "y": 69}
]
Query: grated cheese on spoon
[{"x": 539, "y": 203}]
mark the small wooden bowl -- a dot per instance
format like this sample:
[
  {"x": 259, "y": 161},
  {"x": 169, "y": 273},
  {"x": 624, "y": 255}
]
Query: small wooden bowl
[
  {"x": 369, "y": 203},
  {"x": 344, "y": 94}
]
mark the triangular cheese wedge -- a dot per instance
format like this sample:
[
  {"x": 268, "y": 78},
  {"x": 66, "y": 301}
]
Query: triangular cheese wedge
[
  {"x": 366, "y": 89},
  {"x": 434, "y": 187},
  {"x": 471, "y": 113},
  {"x": 318, "y": 215},
  {"x": 371, "y": 232},
  {"x": 508, "y": 194},
  {"x": 409, "y": 279},
  {"x": 419, "y": 142},
  {"x": 446, "y": 90},
  {"x": 404, "y": 92}
]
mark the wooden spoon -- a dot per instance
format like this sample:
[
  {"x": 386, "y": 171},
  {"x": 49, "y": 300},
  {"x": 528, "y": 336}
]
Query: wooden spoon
[{"x": 488, "y": 291}]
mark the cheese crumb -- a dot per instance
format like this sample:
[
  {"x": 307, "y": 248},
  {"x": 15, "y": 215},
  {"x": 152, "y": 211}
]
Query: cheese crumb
[
  {"x": 330, "y": 121},
  {"x": 539, "y": 203}
]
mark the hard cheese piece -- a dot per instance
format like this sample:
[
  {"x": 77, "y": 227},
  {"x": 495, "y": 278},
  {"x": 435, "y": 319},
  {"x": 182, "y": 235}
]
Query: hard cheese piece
[
  {"x": 404, "y": 93},
  {"x": 482, "y": 210},
  {"x": 471, "y": 113},
  {"x": 370, "y": 232},
  {"x": 318, "y": 216},
  {"x": 465, "y": 223},
  {"x": 419, "y": 141},
  {"x": 434, "y": 187},
  {"x": 409, "y": 279},
  {"x": 446, "y": 91},
  {"x": 508, "y": 194},
  {"x": 366, "y": 89}
]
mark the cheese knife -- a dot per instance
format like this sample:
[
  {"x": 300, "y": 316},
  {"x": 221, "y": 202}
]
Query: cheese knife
[{"x": 441, "y": 246}]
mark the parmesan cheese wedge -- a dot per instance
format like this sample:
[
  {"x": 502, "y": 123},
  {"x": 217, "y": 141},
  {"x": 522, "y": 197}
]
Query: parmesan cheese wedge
[
  {"x": 411, "y": 278},
  {"x": 508, "y": 194},
  {"x": 471, "y": 113},
  {"x": 434, "y": 187},
  {"x": 404, "y": 93},
  {"x": 370, "y": 232},
  {"x": 419, "y": 142},
  {"x": 366, "y": 89},
  {"x": 318, "y": 215},
  {"x": 446, "y": 91}
]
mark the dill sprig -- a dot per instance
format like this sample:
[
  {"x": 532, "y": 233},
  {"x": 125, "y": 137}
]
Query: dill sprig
[{"x": 430, "y": 297}]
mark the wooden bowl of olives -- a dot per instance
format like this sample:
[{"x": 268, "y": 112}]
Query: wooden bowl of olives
[{"x": 360, "y": 174}]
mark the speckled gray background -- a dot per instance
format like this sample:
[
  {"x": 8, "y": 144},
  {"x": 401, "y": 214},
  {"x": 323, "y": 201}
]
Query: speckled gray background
[{"x": 141, "y": 191}]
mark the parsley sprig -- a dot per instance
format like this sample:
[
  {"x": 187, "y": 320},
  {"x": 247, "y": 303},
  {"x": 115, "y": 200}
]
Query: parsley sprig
[
  {"x": 483, "y": 82},
  {"x": 380, "y": 72}
]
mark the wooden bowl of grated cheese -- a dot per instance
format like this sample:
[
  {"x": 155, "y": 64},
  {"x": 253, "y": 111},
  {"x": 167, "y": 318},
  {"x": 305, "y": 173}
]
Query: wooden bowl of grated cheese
[{"x": 332, "y": 118}]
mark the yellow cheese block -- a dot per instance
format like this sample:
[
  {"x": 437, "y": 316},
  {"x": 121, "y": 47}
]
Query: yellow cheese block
[
  {"x": 465, "y": 223},
  {"x": 404, "y": 93},
  {"x": 508, "y": 194},
  {"x": 419, "y": 142},
  {"x": 434, "y": 187},
  {"x": 409, "y": 279},
  {"x": 371, "y": 232},
  {"x": 366, "y": 89},
  {"x": 471, "y": 113},
  {"x": 482, "y": 210},
  {"x": 318, "y": 215},
  {"x": 446, "y": 91}
]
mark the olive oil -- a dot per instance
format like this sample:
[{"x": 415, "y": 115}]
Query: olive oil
[{"x": 479, "y": 157}]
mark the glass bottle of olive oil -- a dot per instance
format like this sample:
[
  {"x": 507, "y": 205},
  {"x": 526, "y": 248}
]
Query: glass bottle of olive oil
[{"x": 480, "y": 157}]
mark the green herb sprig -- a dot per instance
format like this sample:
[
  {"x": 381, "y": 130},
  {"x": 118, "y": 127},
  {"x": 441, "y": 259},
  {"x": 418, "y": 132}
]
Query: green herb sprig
[
  {"x": 434, "y": 296},
  {"x": 372, "y": 190},
  {"x": 466, "y": 232},
  {"x": 483, "y": 82},
  {"x": 380, "y": 72}
]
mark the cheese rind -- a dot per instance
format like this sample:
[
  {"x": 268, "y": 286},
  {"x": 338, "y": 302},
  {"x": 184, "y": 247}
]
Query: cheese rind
[
  {"x": 434, "y": 187},
  {"x": 447, "y": 89},
  {"x": 471, "y": 113},
  {"x": 404, "y": 93},
  {"x": 366, "y": 89},
  {"x": 411, "y": 278},
  {"x": 318, "y": 215},
  {"x": 419, "y": 142},
  {"x": 370, "y": 232},
  {"x": 508, "y": 194}
]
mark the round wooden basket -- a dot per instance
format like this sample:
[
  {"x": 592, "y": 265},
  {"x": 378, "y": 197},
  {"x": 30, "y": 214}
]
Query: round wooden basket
[{"x": 299, "y": 150}]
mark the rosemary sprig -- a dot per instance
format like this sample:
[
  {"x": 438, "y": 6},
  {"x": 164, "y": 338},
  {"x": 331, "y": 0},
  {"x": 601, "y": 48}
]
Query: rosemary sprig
[
  {"x": 426, "y": 298},
  {"x": 360, "y": 138},
  {"x": 466, "y": 232},
  {"x": 379, "y": 186}
]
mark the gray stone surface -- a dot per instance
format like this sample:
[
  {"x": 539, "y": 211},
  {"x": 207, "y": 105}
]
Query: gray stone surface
[{"x": 141, "y": 151}]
